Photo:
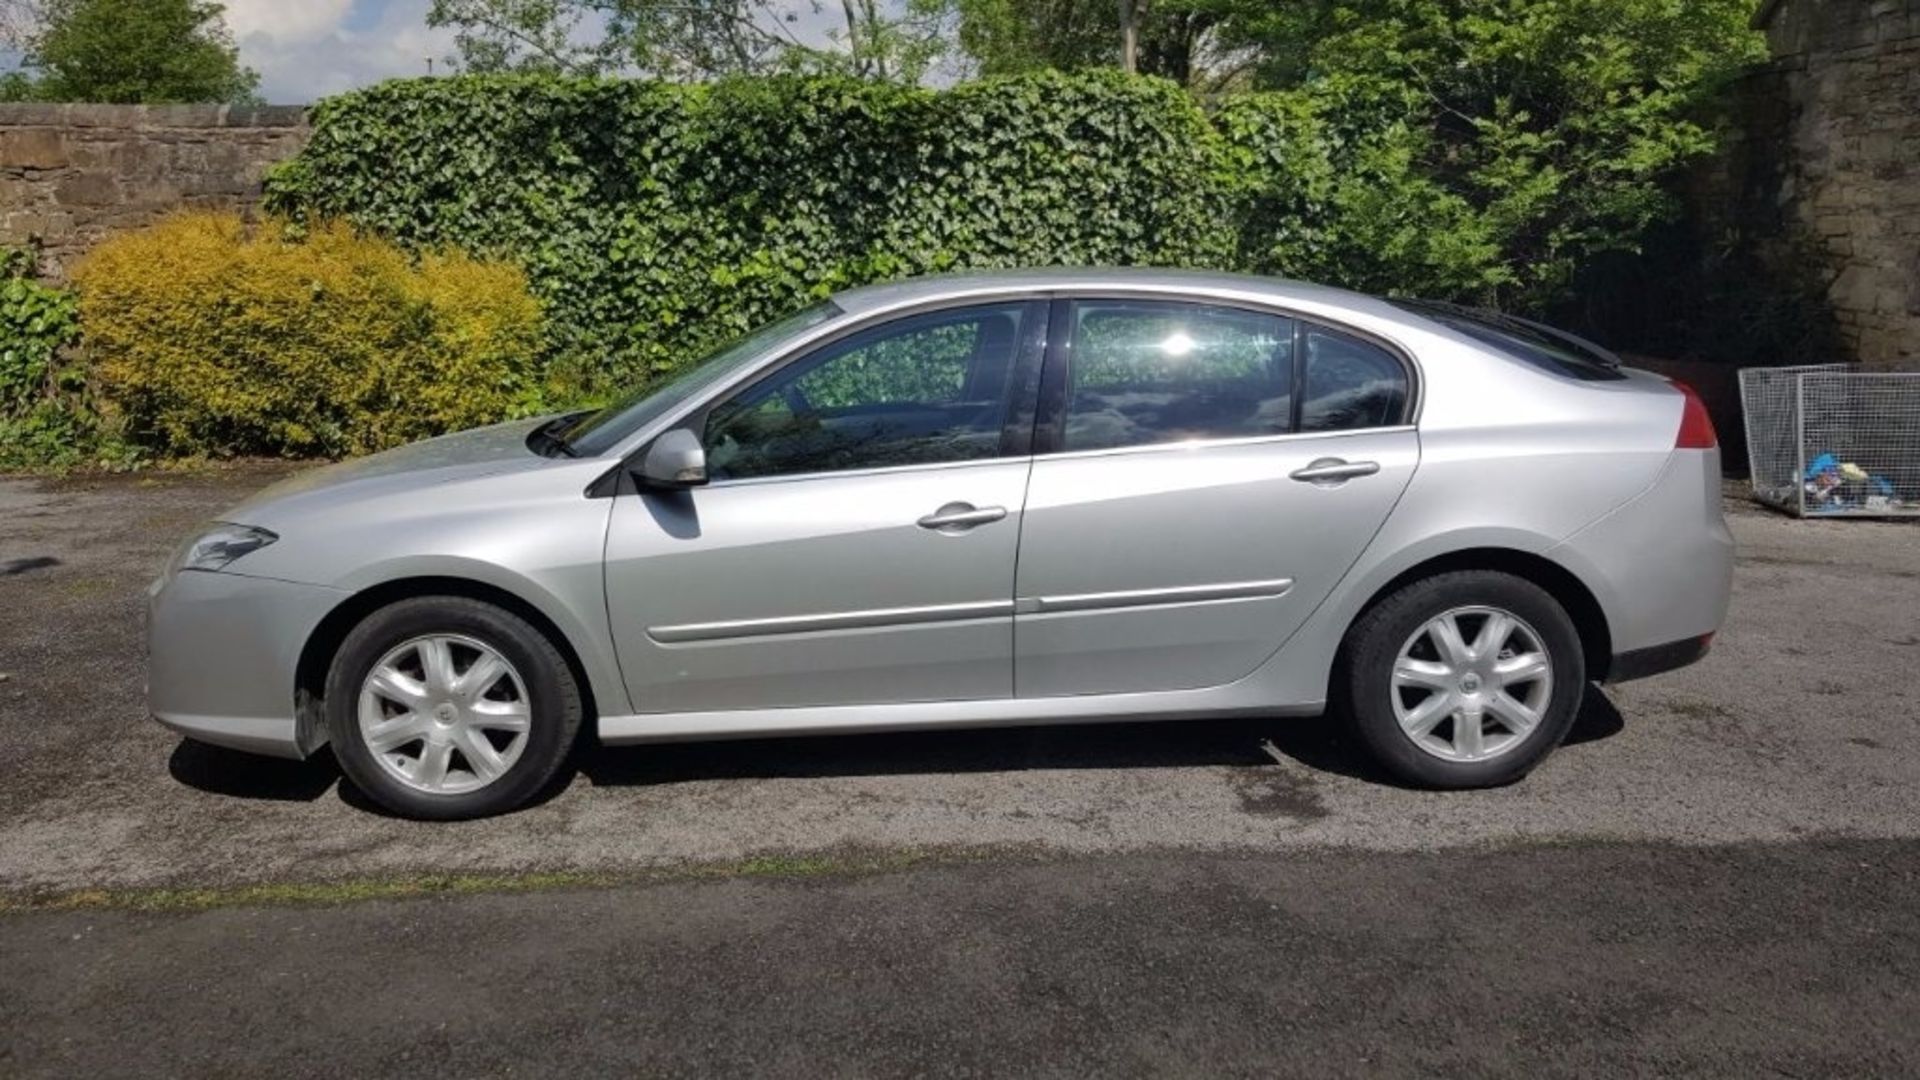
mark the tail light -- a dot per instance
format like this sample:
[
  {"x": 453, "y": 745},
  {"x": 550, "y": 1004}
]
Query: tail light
[{"x": 1696, "y": 427}]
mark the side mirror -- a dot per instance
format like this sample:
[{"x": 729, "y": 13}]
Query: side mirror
[{"x": 675, "y": 460}]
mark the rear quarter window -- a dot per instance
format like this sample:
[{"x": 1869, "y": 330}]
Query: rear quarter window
[{"x": 1350, "y": 384}]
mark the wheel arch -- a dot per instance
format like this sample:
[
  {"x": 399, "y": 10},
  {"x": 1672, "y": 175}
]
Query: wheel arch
[
  {"x": 323, "y": 642},
  {"x": 1566, "y": 588}
]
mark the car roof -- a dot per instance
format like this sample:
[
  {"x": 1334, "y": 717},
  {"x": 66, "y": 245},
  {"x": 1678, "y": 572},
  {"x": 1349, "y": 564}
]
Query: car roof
[{"x": 869, "y": 298}]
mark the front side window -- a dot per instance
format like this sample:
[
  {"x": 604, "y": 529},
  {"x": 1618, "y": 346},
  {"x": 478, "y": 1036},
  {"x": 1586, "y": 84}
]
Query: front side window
[
  {"x": 1350, "y": 384},
  {"x": 602, "y": 431},
  {"x": 1150, "y": 371},
  {"x": 924, "y": 390}
]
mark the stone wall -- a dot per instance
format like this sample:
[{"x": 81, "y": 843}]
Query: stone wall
[
  {"x": 71, "y": 174},
  {"x": 1842, "y": 98}
]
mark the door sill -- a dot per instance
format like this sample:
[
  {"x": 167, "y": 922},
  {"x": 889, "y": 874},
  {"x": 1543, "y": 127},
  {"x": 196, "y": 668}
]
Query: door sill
[{"x": 1210, "y": 703}]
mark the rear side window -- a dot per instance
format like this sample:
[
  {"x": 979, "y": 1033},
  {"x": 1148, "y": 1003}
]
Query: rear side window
[
  {"x": 1150, "y": 371},
  {"x": 1350, "y": 384},
  {"x": 1529, "y": 342}
]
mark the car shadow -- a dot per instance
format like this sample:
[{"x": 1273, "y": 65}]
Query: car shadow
[
  {"x": 16, "y": 567},
  {"x": 220, "y": 771},
  {"x": 1598, "y": 719},
  {"x": 1167, "y": 744},
  {"x": 1323, "y": 743}
]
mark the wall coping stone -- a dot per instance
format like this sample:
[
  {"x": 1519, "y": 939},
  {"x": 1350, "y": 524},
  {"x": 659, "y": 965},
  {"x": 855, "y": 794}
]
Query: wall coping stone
[{"x": 137, "y": 117}]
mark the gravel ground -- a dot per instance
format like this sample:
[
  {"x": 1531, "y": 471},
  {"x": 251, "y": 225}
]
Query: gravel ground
[{"x": 1799, "y": 724}]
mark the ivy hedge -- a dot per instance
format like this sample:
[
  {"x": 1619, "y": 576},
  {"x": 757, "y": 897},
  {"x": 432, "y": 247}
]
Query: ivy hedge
[
  {"x": 46, "y": 415},
  {"x": 655, "y": 220}
]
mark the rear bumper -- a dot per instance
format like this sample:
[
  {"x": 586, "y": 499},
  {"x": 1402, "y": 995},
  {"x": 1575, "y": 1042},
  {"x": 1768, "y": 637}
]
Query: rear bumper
[
  {"x": 1658, "y": 659},
  {"x": 222, "y": 653},
  {"x": 1661, "y": 565}
]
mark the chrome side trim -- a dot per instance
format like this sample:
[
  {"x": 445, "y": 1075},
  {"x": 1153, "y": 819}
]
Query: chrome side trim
[
  {"x": 1186, "y": 446},
  {"x": 838, "y": 620},
  {"x": 1179, "y": 594},
  {"x": 1191, "y": 445},
  {"x": 979, "y": 609},
  {"x": 878, "y": 470}
]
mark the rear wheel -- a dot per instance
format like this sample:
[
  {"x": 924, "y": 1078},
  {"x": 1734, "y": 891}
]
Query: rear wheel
[
  {"x": 1465, "y": 679},
  {"x": 445, "y": 707}
]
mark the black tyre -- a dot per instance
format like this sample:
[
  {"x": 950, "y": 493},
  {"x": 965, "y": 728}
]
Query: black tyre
[
  {"x": 1463, "y": 680},
  {"x": 443, "y": 707}
]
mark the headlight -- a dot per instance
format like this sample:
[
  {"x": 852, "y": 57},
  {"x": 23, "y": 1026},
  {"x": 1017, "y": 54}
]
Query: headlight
[{"x": 222, "y": 544}]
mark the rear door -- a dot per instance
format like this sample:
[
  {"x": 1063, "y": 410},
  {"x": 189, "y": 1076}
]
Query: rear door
[
  {"x": 856, "y": 542},
  {"x": 1205, "y": 475}
]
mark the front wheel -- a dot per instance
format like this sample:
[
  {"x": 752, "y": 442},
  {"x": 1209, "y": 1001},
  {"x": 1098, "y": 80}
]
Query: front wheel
[
  {"x": 1466, "y": 679},
  {"x": 445, "y": 707}
]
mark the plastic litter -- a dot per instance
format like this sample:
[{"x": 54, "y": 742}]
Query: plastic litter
[{"x": 1833, "y": 486}]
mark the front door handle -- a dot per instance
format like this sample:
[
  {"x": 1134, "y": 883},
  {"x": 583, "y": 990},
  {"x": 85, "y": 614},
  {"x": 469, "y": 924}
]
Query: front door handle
[
  {"x": 957, "y": 517},
  {"x": 1333, "y": 471}
]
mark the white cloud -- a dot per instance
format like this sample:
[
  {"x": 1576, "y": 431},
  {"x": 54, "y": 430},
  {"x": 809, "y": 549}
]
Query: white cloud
[
  {"x": 286, "y": 21},
  {"x": 305, "y": 50}
]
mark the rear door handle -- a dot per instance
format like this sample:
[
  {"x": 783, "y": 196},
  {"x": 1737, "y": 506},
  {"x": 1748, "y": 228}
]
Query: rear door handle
[
  {"x": 957, "y": 517},
  {"x": 1333, "y": 471}
]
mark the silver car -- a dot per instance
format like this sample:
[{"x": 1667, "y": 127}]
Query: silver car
[{"x": 1017, "y": 498}]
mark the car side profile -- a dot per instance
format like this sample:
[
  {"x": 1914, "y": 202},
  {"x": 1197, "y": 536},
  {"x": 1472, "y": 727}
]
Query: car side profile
[{"x": 1039, "y": 497}]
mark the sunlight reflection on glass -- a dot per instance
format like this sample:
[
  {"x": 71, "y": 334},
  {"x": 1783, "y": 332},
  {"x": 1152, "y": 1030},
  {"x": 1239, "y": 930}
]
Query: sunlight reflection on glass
[{"x": 1177, "y": 344}]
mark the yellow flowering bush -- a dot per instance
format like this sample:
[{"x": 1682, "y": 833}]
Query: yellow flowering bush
[{"x": 213, "y": 335}]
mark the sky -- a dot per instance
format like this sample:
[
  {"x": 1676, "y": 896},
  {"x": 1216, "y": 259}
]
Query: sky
[{"x": 307, "y": 49}]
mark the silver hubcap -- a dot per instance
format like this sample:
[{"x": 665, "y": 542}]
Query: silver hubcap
[
  {"x": 1471, "y": 684},
  {"x": 445, "y": 714}
]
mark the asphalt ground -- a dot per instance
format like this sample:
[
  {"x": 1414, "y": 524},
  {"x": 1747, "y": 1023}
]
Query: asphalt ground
[
  {"x": 1804, "y": 721},
  {"x": 1715, "y": 876},
  {"x": 1615, "y": 960}
]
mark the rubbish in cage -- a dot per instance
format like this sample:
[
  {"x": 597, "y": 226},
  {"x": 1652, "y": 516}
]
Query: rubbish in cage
[
  {"x": 1833, "y": 486},
  {"x": 1827, "y": 440}
]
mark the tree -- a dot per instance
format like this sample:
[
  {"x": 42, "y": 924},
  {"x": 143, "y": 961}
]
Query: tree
[
  {"x": 1012, "y": 37},
  {"x": 19, "y": 21},
  {"x": 1545, "y": 130},
  {"x": 688, "y": 39},
  {"x": 873, "y": 44},
  {"x": 129, "y": 52},
  {"x": 1174, "y": 39}
]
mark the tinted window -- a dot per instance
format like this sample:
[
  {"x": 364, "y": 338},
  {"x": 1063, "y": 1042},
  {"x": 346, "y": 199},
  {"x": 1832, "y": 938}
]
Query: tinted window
[
  {"x": 1524, "y": 340},
  {"x": 601, "y": 431},
  {"x": 1350, "y": 384},
  {"x": 1154, "y": 372},
  {"x": 919, "y": 391}
]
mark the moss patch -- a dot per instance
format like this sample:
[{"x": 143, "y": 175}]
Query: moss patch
[{"x": 846, "y": 863}]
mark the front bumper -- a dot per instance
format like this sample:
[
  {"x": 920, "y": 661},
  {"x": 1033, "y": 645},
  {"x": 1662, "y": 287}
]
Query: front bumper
[{"x": 222, "y": 653}]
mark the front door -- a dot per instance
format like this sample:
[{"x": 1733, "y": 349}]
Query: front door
[
  {"x": 856, "y": 543},
  {"x": 1208, "y": 475}
]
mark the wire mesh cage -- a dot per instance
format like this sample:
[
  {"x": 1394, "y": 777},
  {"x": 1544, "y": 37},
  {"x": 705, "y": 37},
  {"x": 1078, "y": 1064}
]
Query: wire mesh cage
[{"x": 1827, "y": 440}]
